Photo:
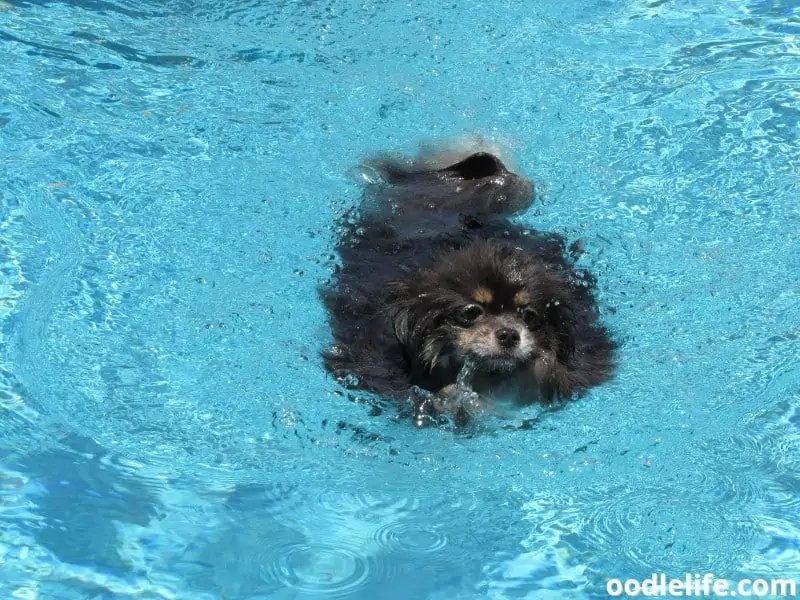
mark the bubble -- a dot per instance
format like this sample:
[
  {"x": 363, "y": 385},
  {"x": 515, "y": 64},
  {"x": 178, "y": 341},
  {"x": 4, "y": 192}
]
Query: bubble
[{"x": 351, "y": 381}]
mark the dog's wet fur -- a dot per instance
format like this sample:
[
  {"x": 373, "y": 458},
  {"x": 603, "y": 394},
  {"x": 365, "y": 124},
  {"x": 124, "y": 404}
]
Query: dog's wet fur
[{"x": 436, "y": 273}]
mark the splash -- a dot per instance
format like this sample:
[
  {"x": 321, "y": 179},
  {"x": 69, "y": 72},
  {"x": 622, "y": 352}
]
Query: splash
[
  {"x": 467, "y": 402},
  {"x": 459, "y": 404},
  {"x": 465, "y": 394}
]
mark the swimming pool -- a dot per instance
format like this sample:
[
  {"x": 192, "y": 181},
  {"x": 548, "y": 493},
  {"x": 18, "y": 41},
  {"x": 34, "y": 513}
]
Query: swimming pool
[{"x": 170, "y": 171}]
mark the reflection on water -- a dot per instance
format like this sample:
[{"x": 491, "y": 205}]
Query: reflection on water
[{"x": 170, "y": 174}]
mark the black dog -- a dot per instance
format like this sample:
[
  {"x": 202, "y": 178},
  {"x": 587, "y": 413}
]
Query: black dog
[{"x": 443, "y": 301}]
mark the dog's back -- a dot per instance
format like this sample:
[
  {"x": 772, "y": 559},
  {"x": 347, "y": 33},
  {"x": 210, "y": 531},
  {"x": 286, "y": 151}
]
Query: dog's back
[{"x": 478, "y": 184}]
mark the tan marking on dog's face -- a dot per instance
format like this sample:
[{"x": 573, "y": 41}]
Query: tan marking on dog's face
[
  {"x": 483, "y": 295},
  {"x": 522, "y": 298}
]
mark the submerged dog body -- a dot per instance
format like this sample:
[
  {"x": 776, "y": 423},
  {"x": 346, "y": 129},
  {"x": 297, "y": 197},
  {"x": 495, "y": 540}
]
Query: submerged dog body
[{"x": 436, "y": 280}]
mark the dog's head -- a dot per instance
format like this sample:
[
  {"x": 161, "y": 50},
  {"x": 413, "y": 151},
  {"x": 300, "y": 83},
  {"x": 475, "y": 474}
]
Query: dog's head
[{"x": 489, "y": 303}]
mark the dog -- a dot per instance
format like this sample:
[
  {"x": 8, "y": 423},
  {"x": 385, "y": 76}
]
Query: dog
[{"x": 445, "y": 304}]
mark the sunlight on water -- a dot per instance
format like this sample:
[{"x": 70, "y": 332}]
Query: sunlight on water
[{"x": 171, "y": 177}]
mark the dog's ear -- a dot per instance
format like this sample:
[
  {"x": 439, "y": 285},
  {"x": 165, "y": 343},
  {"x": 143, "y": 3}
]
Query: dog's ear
[
  {"x": 562, "y": 318},
  {"x": 399, "y": 309}
]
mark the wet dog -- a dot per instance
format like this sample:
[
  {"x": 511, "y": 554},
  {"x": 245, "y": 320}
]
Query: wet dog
[{"x": 444, "y": 303}]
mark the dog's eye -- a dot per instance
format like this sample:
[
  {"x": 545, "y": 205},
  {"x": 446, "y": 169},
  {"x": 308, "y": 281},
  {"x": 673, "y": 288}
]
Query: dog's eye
[
  {"x": 469, "y": 313},
  {"x": 531, "y": 317}
]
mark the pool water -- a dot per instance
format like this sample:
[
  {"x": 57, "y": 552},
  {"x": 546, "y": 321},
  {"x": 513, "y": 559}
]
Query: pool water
[{"x": 169, "y": 173}]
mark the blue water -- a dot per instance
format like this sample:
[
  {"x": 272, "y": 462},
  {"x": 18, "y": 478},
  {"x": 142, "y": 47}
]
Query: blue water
[{"x": 169, "y": 172}]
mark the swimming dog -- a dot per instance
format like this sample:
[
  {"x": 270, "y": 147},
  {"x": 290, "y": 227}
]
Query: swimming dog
[{"x": 445, "y": 301}]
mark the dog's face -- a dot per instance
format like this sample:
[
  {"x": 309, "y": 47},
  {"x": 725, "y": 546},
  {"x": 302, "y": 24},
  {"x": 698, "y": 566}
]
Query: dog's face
[
  {"x": 493, "y": 330},
  {"x": 489, "y": 304}
]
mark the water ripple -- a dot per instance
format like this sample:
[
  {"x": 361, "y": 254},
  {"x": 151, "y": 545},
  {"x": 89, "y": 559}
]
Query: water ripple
[
  {"x": 362, "y": 502},
  {"x": 649, "y": 528},
  {"x": 419, "y": 538},
  {"x": 379, "y": 524},
  {"x": 169, "y": 175},
  {"x": 662, "y": 530},
  {"x": 333, "y": 572}
]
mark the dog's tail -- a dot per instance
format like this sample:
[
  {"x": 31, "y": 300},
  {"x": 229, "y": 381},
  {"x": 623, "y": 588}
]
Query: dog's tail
[{"x": 447, "y": 180}]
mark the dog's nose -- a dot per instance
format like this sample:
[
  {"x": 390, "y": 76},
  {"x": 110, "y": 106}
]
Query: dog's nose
[{"x": 507, "y": 337}]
